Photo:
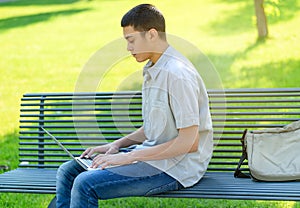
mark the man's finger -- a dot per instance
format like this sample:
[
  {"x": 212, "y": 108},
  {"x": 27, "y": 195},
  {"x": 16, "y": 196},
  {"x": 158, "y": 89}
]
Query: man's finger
[{"x": 85, "y": 152}]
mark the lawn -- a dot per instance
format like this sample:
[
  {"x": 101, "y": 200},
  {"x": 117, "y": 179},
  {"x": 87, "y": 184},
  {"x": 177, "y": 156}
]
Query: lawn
[{"x": 45, "y": 45}]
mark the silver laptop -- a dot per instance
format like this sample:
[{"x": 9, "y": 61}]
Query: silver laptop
[{"x": 84, "y": 162}]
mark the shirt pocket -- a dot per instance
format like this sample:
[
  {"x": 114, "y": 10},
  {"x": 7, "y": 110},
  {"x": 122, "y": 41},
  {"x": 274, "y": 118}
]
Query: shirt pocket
[{"x": 156, "y": 120}]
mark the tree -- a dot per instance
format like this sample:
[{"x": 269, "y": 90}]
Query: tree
[{"x": 261, "y": 19}]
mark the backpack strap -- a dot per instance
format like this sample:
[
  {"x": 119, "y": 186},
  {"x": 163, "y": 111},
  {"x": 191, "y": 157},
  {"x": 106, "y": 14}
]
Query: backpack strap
[{"x": 238, "y": 172}]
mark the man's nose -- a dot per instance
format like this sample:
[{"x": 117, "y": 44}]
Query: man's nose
[{"x": 129, "y": 47}]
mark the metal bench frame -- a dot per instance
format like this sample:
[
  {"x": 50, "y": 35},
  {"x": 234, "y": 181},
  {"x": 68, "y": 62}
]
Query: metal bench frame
[{"x": 84, "y": 119}]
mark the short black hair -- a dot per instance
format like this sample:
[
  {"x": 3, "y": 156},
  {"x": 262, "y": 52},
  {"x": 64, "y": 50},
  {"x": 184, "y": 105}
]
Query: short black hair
[{"x": 145, "y": 17}]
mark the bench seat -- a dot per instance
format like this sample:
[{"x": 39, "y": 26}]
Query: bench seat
[{"x": 214, "y": 185}]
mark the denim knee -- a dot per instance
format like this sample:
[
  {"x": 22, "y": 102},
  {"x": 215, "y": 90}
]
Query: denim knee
[
  {"x": 83, "y": 191},
  {"x": 64, "y": 169},
  {"x": 81, "y": 184}
]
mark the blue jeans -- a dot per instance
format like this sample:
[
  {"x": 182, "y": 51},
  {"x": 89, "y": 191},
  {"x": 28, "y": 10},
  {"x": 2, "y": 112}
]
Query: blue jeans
[{"x": 76, "y": 187}]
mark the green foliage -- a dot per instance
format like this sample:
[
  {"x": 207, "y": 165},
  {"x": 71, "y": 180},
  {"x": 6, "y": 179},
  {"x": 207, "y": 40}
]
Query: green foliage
[
  {"x": 45, "y": 44},
  {"x": 280, "y": 10},
  {"x": 272, "y": 8}
]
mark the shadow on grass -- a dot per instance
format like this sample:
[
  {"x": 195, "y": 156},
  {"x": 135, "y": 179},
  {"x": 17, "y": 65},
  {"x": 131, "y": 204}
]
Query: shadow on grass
[
  {"x": 233, "y": 22},
  {"x": 9, "y": 150},
  {"x": 273, "y": 74},
  {"x": 281, "y": 73},
  {"x": 224, "y": 62},
  {"x": 241, "y": 19},
  {"x": 20, "y": 21}
]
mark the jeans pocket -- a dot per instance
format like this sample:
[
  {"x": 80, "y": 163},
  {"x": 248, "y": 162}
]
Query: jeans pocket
[{"x": 175, "y": 185}]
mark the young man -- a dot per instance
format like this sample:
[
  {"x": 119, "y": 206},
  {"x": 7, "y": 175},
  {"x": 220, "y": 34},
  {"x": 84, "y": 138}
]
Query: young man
[{"x": 174, "y": 145}]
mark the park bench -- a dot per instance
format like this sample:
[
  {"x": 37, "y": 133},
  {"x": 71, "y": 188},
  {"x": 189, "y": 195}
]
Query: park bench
[{"x": 79, "y": 120}]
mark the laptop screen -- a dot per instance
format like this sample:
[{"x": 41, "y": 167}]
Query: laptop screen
[{"x": 58, "y": 142}]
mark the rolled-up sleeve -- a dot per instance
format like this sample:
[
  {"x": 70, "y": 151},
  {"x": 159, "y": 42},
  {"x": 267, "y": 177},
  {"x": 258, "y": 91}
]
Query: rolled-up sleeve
[{"x": 184, "y": 103}]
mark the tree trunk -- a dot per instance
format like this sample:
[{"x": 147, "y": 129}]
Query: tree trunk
[{"x": 261, "y": 20}]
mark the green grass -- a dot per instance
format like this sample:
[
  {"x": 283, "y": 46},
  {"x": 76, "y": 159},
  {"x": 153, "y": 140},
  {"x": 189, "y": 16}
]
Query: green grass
[{"x": 45, "y": 44}]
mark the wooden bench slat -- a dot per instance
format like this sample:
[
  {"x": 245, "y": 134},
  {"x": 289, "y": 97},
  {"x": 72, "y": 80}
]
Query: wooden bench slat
[{"x": 223, "y": 185}]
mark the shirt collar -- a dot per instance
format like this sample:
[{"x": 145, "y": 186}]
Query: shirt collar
[{"x": 154, "y": 70}]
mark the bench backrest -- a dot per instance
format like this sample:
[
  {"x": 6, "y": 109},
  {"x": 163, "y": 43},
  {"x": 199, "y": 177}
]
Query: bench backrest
[{"x": 80, "y": 120}]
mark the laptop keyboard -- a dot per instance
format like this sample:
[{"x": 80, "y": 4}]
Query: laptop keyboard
[{"x": 87, "y": 161}]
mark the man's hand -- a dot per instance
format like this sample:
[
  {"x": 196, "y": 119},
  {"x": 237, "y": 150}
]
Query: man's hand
[
  {"x": 106, "y": 153},
  {"x": 106, "y": 160},
  {"x": 135, "y": 137},
  {"x": 103, "y": 149}
]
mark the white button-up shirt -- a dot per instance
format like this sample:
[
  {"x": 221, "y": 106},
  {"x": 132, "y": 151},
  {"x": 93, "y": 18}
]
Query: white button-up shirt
[{"x": 174, "y": 97}]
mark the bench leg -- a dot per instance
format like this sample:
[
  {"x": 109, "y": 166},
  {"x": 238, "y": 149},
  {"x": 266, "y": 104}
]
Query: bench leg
[{"x": 52, "y": 203}]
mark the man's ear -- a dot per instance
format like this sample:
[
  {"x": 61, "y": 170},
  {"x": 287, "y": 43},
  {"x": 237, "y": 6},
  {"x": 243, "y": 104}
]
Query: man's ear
[{"x": 152, "y": 34}]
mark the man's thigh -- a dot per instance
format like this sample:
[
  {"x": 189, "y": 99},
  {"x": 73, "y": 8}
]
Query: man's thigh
[{"x": 139, "y": 179}]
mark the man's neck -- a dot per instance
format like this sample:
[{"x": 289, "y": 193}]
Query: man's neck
[{"x": 160, "y": 49}]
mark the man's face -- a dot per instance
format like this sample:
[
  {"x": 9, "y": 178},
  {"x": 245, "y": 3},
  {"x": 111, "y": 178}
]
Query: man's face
[{"x": 137, "y": 44}]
